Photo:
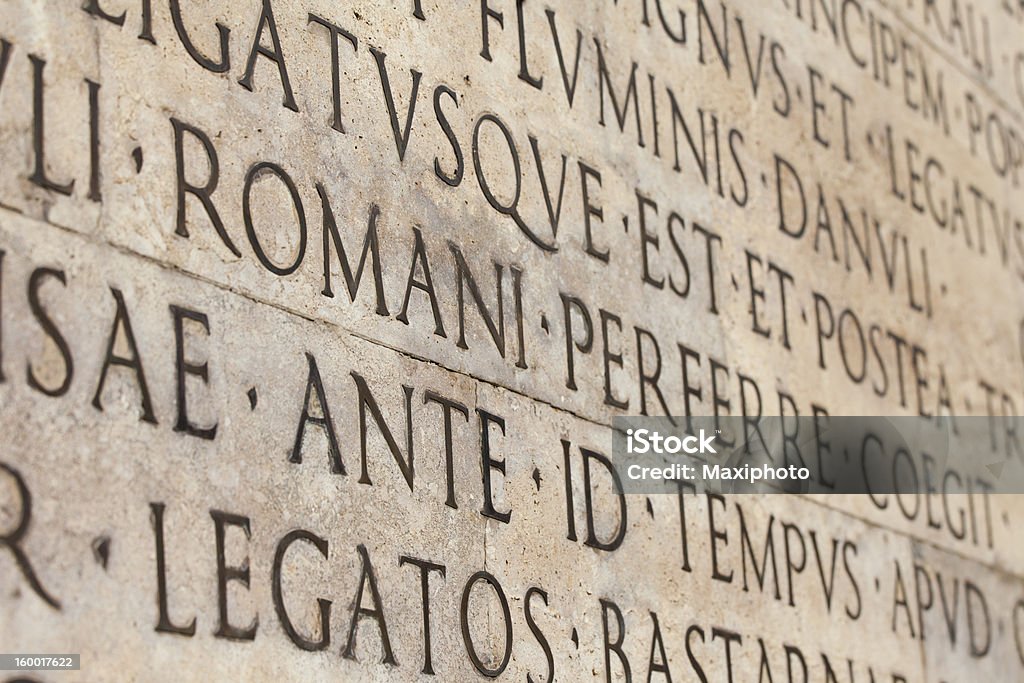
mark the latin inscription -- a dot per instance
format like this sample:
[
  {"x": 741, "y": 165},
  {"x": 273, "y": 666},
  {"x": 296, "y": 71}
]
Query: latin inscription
[{"x": 314, "y": 318}]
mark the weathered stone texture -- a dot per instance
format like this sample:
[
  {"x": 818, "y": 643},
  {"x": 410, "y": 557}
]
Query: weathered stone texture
[{"x": 283, "y": 337}]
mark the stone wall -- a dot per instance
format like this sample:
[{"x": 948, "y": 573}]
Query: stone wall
[{"x": 314, "y": 318}]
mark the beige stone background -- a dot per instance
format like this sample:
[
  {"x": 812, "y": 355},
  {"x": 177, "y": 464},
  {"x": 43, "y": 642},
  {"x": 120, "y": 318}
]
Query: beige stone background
[{"x": 743, "y": 588}]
